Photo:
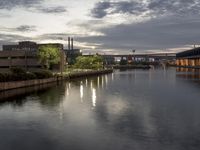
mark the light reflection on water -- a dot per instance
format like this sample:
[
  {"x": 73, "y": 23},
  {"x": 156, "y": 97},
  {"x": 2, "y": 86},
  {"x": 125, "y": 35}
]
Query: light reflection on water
[
  {"x": 81, "y": 91},
  {"x": 94, "y": 97},
  {"x": 138, "y": 109}
]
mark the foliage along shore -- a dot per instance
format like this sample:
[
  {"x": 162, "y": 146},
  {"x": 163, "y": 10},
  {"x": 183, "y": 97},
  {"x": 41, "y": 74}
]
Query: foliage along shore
[{"x": 19, "y": 74}]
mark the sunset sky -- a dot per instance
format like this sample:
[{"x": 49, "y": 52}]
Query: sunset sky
[{"x": 116, "y": 26}]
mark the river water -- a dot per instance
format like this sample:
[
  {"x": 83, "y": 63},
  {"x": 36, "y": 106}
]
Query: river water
[{"x": 128, "y": 110}]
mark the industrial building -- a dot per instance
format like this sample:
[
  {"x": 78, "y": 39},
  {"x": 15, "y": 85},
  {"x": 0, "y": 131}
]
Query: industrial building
[
  {"x": 24, "y": 55},
  {"x": 190, "y": 58},
  {"x": 71, "y": 52}
]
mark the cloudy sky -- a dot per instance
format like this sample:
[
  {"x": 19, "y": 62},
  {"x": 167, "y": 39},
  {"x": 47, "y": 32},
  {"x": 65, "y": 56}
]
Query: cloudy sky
[{"x": 106, "y": 26}]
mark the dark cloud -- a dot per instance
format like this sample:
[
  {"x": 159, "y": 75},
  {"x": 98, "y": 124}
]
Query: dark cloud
[
  {"x": 25, "y": 28},
  {"x": 36, "y": 5},
  {"x": 9, "y": 4},
  {"x": 105, "y": 8},
  {"x": 100, "y": 9},
  {"x": 174, "y": 23},
  {"x": 53, "y": 36},
  {"x": 175, "y": 7},
  {"x": 171, "y": 24},
  {"x": 22, "y": 28},
  {"x": 151, "y": 7},
  {"x": 131, "y": 7},
  {"x": 55, "y": 10},
  {"x": 156, "y": 34},
  {"x": 11, "y": 39},
  {"x": 162, "y": 33}
]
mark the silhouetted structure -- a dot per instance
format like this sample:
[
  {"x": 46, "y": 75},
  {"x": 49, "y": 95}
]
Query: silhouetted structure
[
  {"x": 72, "y": 53},
  {"x": 190, "y": 58}
]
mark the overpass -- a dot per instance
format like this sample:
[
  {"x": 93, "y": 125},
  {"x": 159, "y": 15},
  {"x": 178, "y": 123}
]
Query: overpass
[
  {"x": 155, "y": 56},
  {"x": 148, "y": 57},
  {"x": 151, "y": 55}
]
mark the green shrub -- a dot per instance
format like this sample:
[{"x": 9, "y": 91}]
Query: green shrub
[
  {"x": 17, "y": 70},
  {"x": 43, "y": 74},
  {"x": 30, "y": 76},
  {"x": 2, "y": 77},
  {"x": 21, "y": 75},
  {"x": 6, "y": 77}
]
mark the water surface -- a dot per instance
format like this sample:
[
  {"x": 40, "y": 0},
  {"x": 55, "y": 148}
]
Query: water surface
[{"x": 126, "y": 110}]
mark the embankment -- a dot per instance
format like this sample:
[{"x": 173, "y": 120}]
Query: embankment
[
  {"x": 131, "y": 67},
  {"x": 20, "y": 84}
]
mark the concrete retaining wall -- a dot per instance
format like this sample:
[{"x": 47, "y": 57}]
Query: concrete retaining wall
[
  {"x": 192, "y": 67},
  {"x": 132, "y": 67},
  {"x": 20, "y": 84},
  {"x": 89, "y": 73}
]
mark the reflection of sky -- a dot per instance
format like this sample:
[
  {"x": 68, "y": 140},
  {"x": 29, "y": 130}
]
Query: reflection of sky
[
  {"x": 131, "y": 113},
  {"x": 140, "y": 113}
]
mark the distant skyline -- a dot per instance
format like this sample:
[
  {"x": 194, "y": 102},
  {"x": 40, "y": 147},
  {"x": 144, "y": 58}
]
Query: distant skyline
[{"x": 105, "y": 26}]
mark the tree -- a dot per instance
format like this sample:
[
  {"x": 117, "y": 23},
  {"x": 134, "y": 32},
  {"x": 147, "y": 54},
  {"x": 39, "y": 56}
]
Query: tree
[
  {"x": 89, "y": 62},
  {"x": 48, "y": 55},
  {"x": 123, "y": 62}
]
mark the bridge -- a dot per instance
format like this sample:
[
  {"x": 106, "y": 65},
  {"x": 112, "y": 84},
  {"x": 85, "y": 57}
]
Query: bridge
[
  {"x": 155, "y": 56},
  {"x": 152, "y": 57}
]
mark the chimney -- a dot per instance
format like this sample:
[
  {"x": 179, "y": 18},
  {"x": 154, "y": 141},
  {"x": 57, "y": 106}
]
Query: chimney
[
  {"x": 72, "y": 44},
  {"x": 69, "y": 45}
]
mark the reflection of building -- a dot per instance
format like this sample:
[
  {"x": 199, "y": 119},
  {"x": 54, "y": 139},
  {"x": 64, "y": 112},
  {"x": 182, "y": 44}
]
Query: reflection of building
[
  {"x": 190, "y": 58},
  {"x": 72, "y": 53},
  {"x": 25, "y": 55}
]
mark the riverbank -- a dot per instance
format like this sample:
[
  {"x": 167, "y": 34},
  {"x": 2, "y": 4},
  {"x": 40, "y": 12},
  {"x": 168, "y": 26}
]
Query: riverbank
[
  {"x": 8, "y": 95},
  {"x": 28, "y": 83},
  {"x": 189, "y": 67},
  {"x": 131, "y": 67},
  {"x": 87, "y": 74}
]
